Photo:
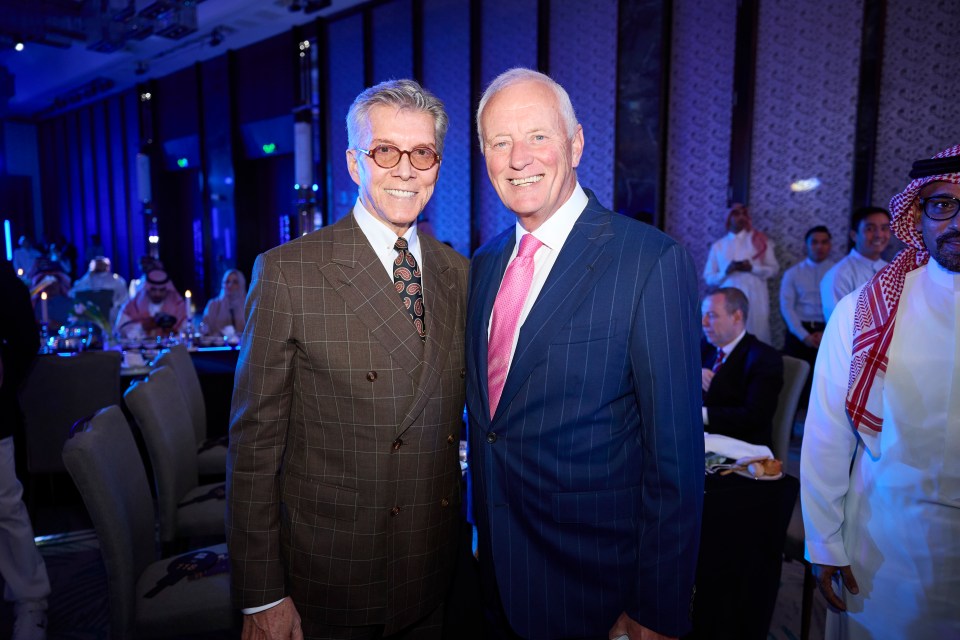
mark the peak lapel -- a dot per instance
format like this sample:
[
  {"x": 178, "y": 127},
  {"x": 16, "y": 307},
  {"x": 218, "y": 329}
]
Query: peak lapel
[
  {"x": 574, "y": 274},
  {"x": 357, "y": 275}
]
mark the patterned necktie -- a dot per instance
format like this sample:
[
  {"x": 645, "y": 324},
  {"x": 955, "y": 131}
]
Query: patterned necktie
[
  {"x": 721, "y": 356},
  {"x": 406, "y": 280},
  {"x": 506, "y": 313}
]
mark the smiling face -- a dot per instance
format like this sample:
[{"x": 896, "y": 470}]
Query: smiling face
[
  {"x": 942, "y": 237},
  {"x": 872, "y": 235},
  {"x": 394, "y": 196},
  {"x": 531, "y": 159}
]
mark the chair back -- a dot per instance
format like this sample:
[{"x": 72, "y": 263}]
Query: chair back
[
  {"x": 59, "y": 391},
  {"x": 103, "y": 460},
  {"x": 157, "y": 405},
  {"x": 178, "y": 359},
  {"x": 795, "y": 373}
]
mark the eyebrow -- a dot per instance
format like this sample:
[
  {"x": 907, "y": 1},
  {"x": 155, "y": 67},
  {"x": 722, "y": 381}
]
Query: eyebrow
[{"x": 430, "y": 145}]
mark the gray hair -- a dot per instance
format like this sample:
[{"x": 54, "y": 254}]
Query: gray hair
[
  {"x": 733, "y": 300},
  {"x": 521, "y": 74},
  {"x": 402, "y": 94}
]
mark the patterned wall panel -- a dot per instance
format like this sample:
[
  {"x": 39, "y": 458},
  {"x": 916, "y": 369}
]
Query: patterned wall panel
[
  {"x": 591, "y": 81},
  {"x": 446, "y": 53},
  {"x": 345, "y": 80},
  {"x": 807, "y": 71},
  {"x": 919, "y": 109},
  {"x": 392, "y": 41},
  {"x": 509, "y": 33},
  {"x": 698, "y": 130}
]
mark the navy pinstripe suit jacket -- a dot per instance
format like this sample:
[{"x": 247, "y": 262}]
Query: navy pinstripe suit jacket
[{"x": 588, "y": 481}]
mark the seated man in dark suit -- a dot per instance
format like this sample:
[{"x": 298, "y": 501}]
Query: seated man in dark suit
[{"x": 742, "y": 376}]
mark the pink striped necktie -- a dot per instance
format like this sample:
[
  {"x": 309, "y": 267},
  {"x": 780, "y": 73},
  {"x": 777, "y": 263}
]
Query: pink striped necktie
[
  {"x": 506, "y": 314},
  {"x": 721, "y": 358}
]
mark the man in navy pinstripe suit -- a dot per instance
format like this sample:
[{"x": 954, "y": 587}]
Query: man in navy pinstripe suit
[{"x": 583, "y": 394}]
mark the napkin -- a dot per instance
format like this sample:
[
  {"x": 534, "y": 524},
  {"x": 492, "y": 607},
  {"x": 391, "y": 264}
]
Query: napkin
[{"x": 733, "y": 448}]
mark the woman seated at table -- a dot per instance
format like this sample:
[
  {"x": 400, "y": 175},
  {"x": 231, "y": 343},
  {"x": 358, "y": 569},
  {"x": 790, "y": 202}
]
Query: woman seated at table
[{"x": 226, "y": 310}]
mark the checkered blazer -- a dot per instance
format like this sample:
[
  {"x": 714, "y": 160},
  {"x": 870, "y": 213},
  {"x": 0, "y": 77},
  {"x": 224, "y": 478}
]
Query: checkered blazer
[{"x": 343, "y": 473}]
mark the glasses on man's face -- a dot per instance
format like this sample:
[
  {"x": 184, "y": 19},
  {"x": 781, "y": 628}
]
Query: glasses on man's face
[
  {"x": 940, "y": 207},
  {"x": 387, "y": 156}
]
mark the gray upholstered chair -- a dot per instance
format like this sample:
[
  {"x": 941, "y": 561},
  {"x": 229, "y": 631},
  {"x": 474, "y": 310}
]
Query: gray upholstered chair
[
  {"x": 58, "y": 392},
  {"x": 103, "y": 460},
  {"x": 186, "y": 510},
  {"x": 795, "y": 373},
  {"x": 211, "y": 452}
]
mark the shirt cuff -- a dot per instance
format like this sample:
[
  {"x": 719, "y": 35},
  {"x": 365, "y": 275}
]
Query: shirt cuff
[
  {"x": 250, "y": 610},
  {"x": 706, "y": 420}
]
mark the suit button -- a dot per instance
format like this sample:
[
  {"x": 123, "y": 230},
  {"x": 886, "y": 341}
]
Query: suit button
[
  {"x": 371, "y": 375},
  {"x": 463, "y": 373},
  {"x": 450, "y": 439},
  {"x": 395, "y": 512},
  {"x": 397, "y": 444},
  {"x": 491, "y": 437},
  {"x": 444, "y": 503}
]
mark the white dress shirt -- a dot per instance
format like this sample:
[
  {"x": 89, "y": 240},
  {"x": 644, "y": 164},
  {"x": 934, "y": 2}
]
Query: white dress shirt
[
  {"x": 800, "y": 299},
  {"x": 553, "y": 234},
  {"x": 845, "y": 276}
]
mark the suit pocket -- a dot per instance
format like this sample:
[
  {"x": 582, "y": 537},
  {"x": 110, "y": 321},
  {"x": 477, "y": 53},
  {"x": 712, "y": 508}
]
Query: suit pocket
[
  {"x": 585, "y": 332},
  {"x": 321, "y": 499},
  {"x": 592, "y": 507}
]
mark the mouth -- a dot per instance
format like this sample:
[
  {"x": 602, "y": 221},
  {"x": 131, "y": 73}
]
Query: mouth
[
  {"x": 522, "y": 182},
  {"x": 400, "y": 193}
]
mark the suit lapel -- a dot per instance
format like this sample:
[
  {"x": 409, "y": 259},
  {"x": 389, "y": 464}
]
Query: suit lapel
[
  {"x": 440, "y": 301},
  {"x": 574, "y": 274},
  {"x": 358, "y": 277},
  {"x": 486, "y": 288}
]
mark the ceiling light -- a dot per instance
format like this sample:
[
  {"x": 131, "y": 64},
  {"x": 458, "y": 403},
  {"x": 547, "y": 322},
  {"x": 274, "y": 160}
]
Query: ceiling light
[{"x": 18, "y": 46}]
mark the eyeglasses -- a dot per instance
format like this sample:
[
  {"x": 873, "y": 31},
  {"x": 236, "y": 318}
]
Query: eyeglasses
[
  {"x": 387, "y": 156},
  {"x": 940, "y": 207}
]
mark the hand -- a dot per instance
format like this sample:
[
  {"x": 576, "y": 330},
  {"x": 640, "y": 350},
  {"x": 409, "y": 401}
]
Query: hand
[
  {"x": 813, "y": 339},
  {"x": 824, "y": 574},
  {"x": 625, "y": 625},
  {"x": 706, "y": 377},
  {"x": 281, "y": 622}
]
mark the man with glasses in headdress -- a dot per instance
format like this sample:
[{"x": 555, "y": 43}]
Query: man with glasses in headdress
[
  {"x": 343, "y": 475},
  {"x": 882, "y": 514}
]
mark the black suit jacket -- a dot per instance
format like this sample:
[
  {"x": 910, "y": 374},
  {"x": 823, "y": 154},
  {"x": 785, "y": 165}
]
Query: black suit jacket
[
  {"x": 743, "y": 395},
  {"x": 19, "y": 341}
]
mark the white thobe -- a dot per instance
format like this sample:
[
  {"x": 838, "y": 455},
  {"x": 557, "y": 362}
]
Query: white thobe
[
  {"x": 895, "y": 516},
  {"x": 739, "y": 246}
]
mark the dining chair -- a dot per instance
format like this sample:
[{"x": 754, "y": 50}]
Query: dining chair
[
  {"x": 186, "y": 508},
  {"x": 211, "y": 452},
  {"x": 60, "y": 390},
  {"x": 148, "y": 598},
  {"x": 795, "y": 373}
]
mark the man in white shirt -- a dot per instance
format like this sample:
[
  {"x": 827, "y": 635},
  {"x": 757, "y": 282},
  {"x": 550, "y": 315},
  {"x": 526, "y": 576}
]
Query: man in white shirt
[
  {"x": 882, "y": 514},
  {"x": 100, "y": 278},
  {"x": 744, "y": 259},
  {"x": 343, "y": 472},
  {"x": 870, "y": 235},
  {"x": 801, "y": 304}
]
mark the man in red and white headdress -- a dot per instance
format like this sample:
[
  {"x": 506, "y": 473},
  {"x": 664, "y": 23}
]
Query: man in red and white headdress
[
  {"x": 884, "y": 520},
  {"x": 744, "y": 259},
  {"x": 157, "y": 309}
]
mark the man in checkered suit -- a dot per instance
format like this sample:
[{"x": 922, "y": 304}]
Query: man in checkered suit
[{"x": 343, "y": 473}]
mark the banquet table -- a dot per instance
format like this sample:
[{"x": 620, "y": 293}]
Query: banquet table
[{"x": 741, "y": 553}]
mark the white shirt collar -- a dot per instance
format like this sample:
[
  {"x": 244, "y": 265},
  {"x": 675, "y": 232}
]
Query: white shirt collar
[
  {"x": 554, "y": 231},
  {"x": 942, "y": 276},
  {"x": 862, "y": 258},
  {"x": 729, "y": 347}
]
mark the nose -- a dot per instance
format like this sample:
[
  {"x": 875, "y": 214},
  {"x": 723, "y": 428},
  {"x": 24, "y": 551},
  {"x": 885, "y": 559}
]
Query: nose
[
  {"x": 404, "y": 170},
  {"x": 704, "y": 322},
  {"x": 519, "y": 155}
]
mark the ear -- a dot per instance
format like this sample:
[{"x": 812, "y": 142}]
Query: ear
[
  {"x": 577, "y": 144},
  {"x": 853, "y": 235},
  {"x": 352, "y": 166}
]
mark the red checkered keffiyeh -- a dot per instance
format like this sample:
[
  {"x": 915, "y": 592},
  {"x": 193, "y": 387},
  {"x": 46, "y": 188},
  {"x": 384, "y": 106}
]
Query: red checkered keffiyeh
[
  {"x": 876, "y": 309},
  {"x": 758, "y": 239}
]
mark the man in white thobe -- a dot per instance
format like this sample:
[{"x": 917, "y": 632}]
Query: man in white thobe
[
  {"x": 101, "y": 278},
  {"x": 744, "y": 259},
  {"x": 886, "y": 530}
]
